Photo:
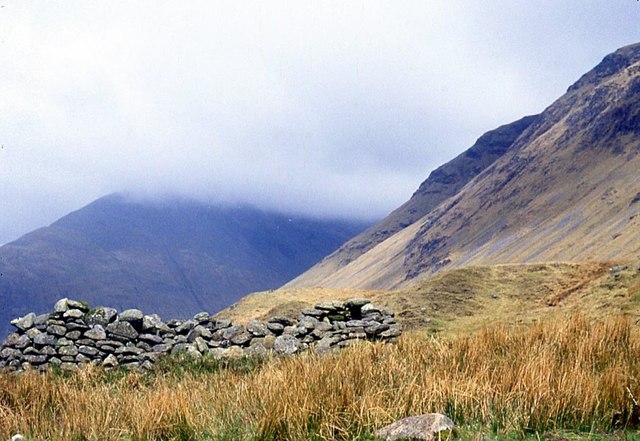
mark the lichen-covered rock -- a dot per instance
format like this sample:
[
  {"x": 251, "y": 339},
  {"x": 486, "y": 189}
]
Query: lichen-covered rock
[
  {"x": 258, "y": 328},
  {"x": 101, "y": 316},
  {"x": 24, "y": 323},
  {"x": 122, "y": 329},
  {"x": 287, "y": 345},
  {"x": 422, "y": 427},
  {"x": 132, "y": 316},
  {"x": 96, "y": 332}
]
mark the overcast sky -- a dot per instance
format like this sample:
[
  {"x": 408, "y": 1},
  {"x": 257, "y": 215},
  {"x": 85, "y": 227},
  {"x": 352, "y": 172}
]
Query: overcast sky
[{"x": 332, "y": 108}]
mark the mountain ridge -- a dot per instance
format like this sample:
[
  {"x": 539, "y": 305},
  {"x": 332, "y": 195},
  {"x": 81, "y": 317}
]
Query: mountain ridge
[
  {"x": 176, "y": 258},
  {"x": 562, "y": 191}
]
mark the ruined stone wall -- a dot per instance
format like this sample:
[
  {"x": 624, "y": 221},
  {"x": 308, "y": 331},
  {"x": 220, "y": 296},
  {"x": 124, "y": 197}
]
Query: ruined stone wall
[{"x": 73, "y": 335}]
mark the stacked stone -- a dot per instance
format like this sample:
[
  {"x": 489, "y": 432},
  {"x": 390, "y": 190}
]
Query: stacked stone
[{"x": 73, "y": 335}]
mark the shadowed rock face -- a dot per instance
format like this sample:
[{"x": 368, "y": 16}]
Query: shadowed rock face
[
  {"x": 562, "y": 189},
  {"x": 176, "y": 258}
]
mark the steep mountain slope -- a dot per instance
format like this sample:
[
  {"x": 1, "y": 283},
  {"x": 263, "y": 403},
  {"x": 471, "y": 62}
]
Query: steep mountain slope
[
  {"x": 568, "y": 188},
  {"x": 442, "y": 183},
  {"x": 174, "y": 258}
]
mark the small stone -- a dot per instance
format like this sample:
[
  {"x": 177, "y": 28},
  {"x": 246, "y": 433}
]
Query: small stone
[
  {"x": 73, "y": 314},
  {"x": 23, "y": 342},
  {"x": 61, "y": 306},
  {"x": 24, "y": 323},
  {"x": 232, "y": 331},
  {"x": 77, "y": 304},
  {"x": 256, "y": 350},
  {"x": 222, "y": 323},
  {"x": 82, "y": 359},
  {"x": 41, "y": 321},
  {"x": 392, "y": 332},
  {"x": 202, "y": 317},
  {"x": 74, "y": 326},
  {"x": 10, "y": 354},
  {"x": 101, "y": 316},
  {"x": 241, "y": 339},
  {"x": 70, "y": 351},
  {"x": 427, "y": 427},
  {"x": 276, "y": 328},
  {"x": 146, "y": 347},
  {"x": 356, "y": 302},
  {"x": 186, "y": 349},
  {"x": 284, "y": 321},
  {"x": 73, "y": 335},
  {"x": 56, "y": 330},
  {"x": 88, "y": 350},
  {"x": 198, "y": 331},
  {"x": 11, "y": 339},
  {"x": 258, "y": 328},
  {"x": 150, "y": 338},
  {"x": 312, "y": 312},
  {"x": 325, "y": 345},
  {"x": 33, "y": 332},
  {"x": 268, "y": 341},
  {"x": 162, "y": 348},
  {"x": 309, "y": 323},
  {"x": 287, "y": 345},
  {"x": 201, "y": 345},
  {"x": 132, "y": 316},
  {"x": 110, "y": 361},
  {"x": 153, "y": 324},
  {"x": 63, "y": 342},
  {"x": 48, "y": 350},
  {"x": 96, "y": 332},
  {"x": 153, "y": 356},
  {"x": 376, "y": 329},
  {"x": 129, "y": 350},
  {"x": 122, "y": 329},
  {"x": 185, "y": 327},
  {"x": 368, "y": 309}
]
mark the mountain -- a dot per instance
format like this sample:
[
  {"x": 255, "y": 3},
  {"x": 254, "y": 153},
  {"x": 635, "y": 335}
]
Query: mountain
[
  {"x": 442, "y": 183},
  {"x": 566, "y": 187},
  {"x": 175, "y": 258}
]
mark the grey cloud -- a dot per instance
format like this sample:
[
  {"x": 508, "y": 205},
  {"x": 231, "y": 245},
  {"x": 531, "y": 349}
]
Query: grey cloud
[{"x": 324, "y": 108}]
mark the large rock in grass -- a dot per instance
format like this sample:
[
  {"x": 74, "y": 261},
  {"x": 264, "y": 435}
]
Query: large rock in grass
[{"x": 422, "y": 427}]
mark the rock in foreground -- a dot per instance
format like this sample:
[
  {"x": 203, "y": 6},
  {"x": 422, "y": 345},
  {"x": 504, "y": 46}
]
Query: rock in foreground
[{"x": 422, "y": 427}]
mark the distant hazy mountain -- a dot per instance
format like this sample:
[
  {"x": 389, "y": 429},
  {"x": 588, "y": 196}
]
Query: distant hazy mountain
[
  {"x": 564, "y": 185},
  {"x": 173, "y": 258}
]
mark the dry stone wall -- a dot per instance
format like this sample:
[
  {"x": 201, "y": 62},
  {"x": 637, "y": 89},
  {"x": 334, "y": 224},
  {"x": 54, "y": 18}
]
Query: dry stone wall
[{"x": 73, "y": 335}]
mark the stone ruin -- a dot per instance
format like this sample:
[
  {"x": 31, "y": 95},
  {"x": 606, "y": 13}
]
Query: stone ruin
[{"x": 73, "y": 335}]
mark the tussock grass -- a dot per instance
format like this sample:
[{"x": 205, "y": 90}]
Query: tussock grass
[{"x": 572, "y": 374}]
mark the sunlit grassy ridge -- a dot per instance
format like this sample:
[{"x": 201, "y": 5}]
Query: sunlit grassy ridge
[
  {"x": 574, "y": 374},
  {"x": 467, "y": 299}
]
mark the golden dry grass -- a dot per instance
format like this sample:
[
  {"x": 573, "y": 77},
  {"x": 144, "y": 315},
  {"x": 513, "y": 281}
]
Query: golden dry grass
[{"x": 574, "y": 374}]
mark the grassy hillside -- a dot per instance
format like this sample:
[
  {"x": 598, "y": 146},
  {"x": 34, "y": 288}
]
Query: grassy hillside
[
  {"x": 556, "y": 380},
  {"x": 466, "y": 299}
]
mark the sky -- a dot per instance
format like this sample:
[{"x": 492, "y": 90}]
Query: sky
[{"x": 323, "y": 108}]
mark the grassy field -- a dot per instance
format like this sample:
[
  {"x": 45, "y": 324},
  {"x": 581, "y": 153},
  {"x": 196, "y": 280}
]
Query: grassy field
[
  {"x": 462, "y": 300},
  {"x": 555, "y": 379}
]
